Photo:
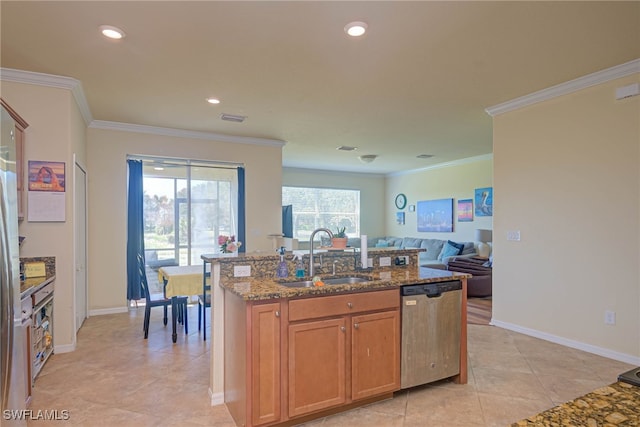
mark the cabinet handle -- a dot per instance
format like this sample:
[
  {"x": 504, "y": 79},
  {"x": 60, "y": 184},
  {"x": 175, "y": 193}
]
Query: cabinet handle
[
  {"x": 350, "y": 305},
  {"x": 343, "y": 329},
  {"x": 356, "y": 326},
  {"x": 277, "y": 313}
]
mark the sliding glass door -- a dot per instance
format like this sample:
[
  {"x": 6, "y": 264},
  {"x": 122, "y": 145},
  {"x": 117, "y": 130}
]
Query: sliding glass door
[{"x": 187, "y": 205}]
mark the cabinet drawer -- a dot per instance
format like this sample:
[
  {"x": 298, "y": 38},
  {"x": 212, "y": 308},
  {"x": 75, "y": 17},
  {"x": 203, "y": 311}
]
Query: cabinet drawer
[{"x": 338, "y": 305}]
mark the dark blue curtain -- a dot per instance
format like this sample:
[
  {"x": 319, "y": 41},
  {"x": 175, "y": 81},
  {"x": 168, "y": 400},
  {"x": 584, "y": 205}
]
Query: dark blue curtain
[
  {"x": 241, "y": 211},
  {"x": 287, "y": 221},
  {"x": 135, "y": 232}
]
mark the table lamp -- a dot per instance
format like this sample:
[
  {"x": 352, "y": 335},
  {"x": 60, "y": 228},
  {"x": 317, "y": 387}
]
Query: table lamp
[{"x": 484, "y": 237}]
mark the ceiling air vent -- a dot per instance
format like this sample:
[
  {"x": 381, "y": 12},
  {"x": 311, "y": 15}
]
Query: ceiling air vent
[
  {"x": 424, "y": 156},
  {"x": 232, "y": 118},
  {"x": 346, "y": 148}
]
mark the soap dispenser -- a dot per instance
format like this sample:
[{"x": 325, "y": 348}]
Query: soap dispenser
[
  {"x": 282, "y": 270},
  {"x": 299, "y": 267}
]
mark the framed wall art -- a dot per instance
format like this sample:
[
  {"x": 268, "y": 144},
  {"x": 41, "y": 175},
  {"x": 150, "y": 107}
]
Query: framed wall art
[
  {"x": 435, "y": 215},
  {"x": 465, "y": 210},
  {"x": 484, "y": 201}
]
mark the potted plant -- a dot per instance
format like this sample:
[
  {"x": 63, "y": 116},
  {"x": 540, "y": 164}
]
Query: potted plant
[{"x": 339, "y": 240}]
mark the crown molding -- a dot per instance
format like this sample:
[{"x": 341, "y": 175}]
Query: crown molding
[
  {"x": 75, "y": 87},
  {"x": 623, "y": 70},
  {"x": 180, "y": 133},
  {"x": 459, "y": 162},
  {"x": 49, "y": 80},
  {"x": 295, "y": 169}
]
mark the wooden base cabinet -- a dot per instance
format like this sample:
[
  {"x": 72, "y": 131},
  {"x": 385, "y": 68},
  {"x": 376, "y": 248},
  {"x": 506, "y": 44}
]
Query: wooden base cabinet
[
  {"x": 351, "y": 352},
  {"x": 317, "y": 366},
  {"x": 265, "y": 363},
  {"x": 288, "y": 359},
  {"x": 375, "y": 354},
  {"x": 252, "y": 361}
]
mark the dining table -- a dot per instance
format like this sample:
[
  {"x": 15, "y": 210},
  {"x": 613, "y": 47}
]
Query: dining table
[{"x": 182, "y": 280}]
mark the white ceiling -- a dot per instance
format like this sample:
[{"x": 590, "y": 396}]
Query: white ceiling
[{"x": 417, "y": 83}]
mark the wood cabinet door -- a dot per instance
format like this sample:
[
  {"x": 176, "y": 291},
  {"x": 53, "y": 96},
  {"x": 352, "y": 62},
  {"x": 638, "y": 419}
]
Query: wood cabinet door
[
  {"x": 265, "y": 363},
  {"x": 375, "y": 354},
  {"x": 317, "y": 365}
]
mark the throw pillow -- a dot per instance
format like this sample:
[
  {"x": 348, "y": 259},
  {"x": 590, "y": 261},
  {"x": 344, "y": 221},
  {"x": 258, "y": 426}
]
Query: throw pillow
[
  {"x": 382, "y": 244},
  {"x": 450, "y": 249},
  {"x": 460, "y": 246}
]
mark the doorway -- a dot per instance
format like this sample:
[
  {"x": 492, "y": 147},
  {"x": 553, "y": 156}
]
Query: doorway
[{"x": 80, "y": 244}]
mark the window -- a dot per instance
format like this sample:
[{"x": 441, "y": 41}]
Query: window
[
  {"x": 186, "y": 208},
  {"x": 323, "y": 207}
]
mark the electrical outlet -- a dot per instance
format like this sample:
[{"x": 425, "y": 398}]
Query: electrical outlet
[
  {"x": 241, "y": 271},
  {"x": 513, "y": 235},
  {"x": 610, "y": 317},
  {"x": 401, "y": 260},
  {"x": 385, "y": 261}
]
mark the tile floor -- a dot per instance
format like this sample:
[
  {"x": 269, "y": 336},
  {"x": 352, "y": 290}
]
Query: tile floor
[{"x": 116, "y": 378}]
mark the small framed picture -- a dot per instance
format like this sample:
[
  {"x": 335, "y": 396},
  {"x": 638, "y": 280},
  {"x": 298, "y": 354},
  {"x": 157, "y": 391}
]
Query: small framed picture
[
  {"x": 412, "y": 208},
  {"x": 400, "y": 218},
  {"x": 465, "y": 210}
]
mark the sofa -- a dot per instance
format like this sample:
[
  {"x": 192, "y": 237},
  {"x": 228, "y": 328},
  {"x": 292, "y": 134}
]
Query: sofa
[
  {"x": 480, "y": 285},
  {"x": 438, "y": 251}
]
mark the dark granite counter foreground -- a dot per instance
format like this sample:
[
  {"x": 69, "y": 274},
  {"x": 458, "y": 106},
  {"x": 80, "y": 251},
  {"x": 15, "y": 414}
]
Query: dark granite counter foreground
[{"x": 617, "y": 404}]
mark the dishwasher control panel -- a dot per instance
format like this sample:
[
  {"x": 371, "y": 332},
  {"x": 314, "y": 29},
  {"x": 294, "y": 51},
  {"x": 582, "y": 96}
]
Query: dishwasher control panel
[{"x": 431, "y": 289}]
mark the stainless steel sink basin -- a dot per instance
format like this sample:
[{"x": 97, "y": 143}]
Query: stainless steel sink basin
[{"x": 327, "y": 281}]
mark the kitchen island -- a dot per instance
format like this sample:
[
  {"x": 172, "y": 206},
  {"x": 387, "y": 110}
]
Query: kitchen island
[{"x": 292, "y": 354}]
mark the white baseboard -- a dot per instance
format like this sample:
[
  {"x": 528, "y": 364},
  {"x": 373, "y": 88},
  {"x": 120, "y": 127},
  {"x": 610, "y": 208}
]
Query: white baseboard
[
  {"x": 216, "y": 398},
  {"x": 64, "y": 348},
  {"x": 101, "y": 311},
  {"x": 604, "y": 352}
]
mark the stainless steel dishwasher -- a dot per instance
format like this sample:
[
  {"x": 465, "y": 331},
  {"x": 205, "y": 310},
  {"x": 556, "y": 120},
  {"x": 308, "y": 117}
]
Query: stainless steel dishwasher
[{"x": 430, "y": 346}]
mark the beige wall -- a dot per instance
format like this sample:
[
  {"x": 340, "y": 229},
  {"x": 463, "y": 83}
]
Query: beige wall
[
  {"x": 371, "y": 188},
  {"x": 457, "y": 181},
  {"x": 54, "y": 128},
  {"x": 566, "y": 175},
  {"x": 106, "y": 158}
]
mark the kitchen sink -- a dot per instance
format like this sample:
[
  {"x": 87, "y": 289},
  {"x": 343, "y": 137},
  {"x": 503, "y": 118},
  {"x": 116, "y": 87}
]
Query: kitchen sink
[{"x": 350, "y": 280}]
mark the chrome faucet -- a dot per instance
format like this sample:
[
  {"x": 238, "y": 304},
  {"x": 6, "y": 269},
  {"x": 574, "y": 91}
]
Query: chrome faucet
[{"x": 313, "y": 234}]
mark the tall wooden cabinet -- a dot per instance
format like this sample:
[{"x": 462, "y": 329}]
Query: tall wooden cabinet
[
  {"x": 265, "y": 363},
  {"x": 20, "y": 126}
]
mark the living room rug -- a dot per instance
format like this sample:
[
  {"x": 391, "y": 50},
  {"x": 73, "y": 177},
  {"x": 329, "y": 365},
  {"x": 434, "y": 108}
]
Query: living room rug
[{"x": 479, "y": 311}]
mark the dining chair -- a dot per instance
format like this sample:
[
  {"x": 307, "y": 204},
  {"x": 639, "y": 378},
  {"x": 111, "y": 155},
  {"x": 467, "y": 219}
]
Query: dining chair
[
  {"x": 181, "y": 307},
  {"x": 204, "y": 301}
]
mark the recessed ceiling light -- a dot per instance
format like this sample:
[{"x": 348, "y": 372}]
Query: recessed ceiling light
[
  {"x": 356, "y": 28},
  {"x": 368, "y": 158},
  {"x": 158, "y": 168},
  {"x": 346, "y": 148},
  {"x": 112, "y": 32},
  {"x": 213, "y": 100},
  {"x": 424, "y": 156}
]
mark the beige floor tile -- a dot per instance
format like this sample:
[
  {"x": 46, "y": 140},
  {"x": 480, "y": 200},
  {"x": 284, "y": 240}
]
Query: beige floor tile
[{"x": 116, "y": 378}]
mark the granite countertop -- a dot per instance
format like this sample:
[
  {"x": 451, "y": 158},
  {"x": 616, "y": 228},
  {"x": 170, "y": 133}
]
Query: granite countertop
[
  {"x": 256, "y": 288},
  {"x": 617, "y": 404},
  {"x": 32, "y": 284}
]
